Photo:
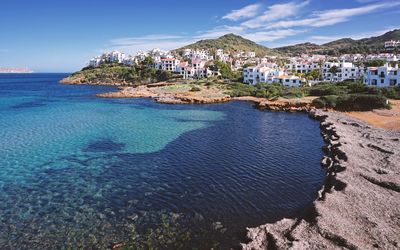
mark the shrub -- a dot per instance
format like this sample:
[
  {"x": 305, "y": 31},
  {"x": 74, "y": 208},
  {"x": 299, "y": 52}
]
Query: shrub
[
  {"x": 195, "y": 89},
  {"x": 361, "y": 102},
  {"x": 319, "y": 103},
  {"x": 240, "y": 89},
  {"x": 326, "y": 89},
  {"x": 391, "y": 92}
]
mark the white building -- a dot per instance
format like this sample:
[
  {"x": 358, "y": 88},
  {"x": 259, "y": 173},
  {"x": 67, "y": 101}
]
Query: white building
[
  {"x": 251, "y": 54},
  {"x": 187, "y": 53},
  {"x": 168, "y": 64},
  {"x": 129, "y": 60},
  {"x": 392, "y": 44},
  {"x": 303, "y": 66},
  {"x": 291, "y": 80},
  {"x": 260, "y": 74},
  {"x": 344, "y": 71},
  {"x": 219, "y": 52},
  {"x": 141, "y": 55},
  {"x": 202, "y": 55},
  {"x": 109, "y": 57},
  {"x": 385, "y": 76},
  {"x": 95, "y": 61}
]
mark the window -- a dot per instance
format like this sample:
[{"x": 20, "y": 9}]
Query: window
[
  {"x": 374, "y": 82},
  {"x": 382, "y": 81},
  {"x": 393, "y": 82}
]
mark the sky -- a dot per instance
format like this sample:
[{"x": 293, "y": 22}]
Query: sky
[{"x": 62, "y": 35}]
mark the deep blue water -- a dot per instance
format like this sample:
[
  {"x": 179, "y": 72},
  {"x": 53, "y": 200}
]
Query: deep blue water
[{"x": 84, "y": 172}]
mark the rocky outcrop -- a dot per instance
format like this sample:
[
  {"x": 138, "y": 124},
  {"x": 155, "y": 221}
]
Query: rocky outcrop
[
  {"x": 281, "y": 104},
  {"x": 191, "y": 99},
  {"x": 359, "y": 204},
  {"x": 161, "y": 95}
]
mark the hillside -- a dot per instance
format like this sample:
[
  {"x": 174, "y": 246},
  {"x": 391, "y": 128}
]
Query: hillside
[
  {"x": 117, "y": 74},
  {"x": 344, "y": 45},
  {"x": 231, "y": 42}
]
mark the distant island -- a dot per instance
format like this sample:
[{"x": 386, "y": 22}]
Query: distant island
[{"x": 15, "y": 70}]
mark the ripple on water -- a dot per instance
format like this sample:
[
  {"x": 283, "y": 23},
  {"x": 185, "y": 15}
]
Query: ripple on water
[{"x": 87, "y": 172}]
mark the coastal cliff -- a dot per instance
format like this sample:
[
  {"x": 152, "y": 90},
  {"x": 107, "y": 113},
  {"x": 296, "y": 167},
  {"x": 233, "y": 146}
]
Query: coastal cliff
[{"x": 359, "y": 204}]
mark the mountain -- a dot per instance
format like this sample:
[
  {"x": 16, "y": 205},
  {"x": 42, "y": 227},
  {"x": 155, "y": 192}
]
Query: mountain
[
  {"x": 344, "y": 45},
  {"x": 231, "y": 42}
]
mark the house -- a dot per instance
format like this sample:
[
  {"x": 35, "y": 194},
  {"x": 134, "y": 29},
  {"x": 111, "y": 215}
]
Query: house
[
  {"x": 260, "y": 74},
  {"x": 129, "y": 60},
  {"x": 290, "y": 80},
  {"x": 219, "y": 52},
  {"x": 251, "y": 54},
  {"x": 384, "y": 76},
  {"x": 303, "y": 66},
  {"x": 109, "y": 57},
  {"x": 343, "y": 71},
  {"x": 392, "y": 44},
  {"x": 95, "y": 61},
  {"x": 168, "y": 64}
]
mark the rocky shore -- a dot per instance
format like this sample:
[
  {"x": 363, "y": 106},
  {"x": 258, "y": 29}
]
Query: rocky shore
[
  {"x": 359, "y": 205},
  {"x": 171, "y": 94},
  {"x": 303, "y": 104}
]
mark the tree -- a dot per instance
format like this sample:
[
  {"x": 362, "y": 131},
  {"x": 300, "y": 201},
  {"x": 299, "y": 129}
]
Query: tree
[
  {"x": 333, "y": 69},
  {"x": 225, "y": 69},
  {"x": 148, "y": 61},
  {"x": 315, "y": 74}
]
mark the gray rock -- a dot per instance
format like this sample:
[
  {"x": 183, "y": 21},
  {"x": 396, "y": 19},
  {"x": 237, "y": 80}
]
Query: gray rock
[{"x": 361, "y": 209}]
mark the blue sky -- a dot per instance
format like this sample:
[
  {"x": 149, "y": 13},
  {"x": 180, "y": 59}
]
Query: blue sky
[{"x": 61, "y": 35}]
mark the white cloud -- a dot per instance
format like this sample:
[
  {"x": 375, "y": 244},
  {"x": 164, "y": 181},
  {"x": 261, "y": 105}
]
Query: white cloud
[
  {"x": 277, "y": 22},
  {"x": 275, "y": 12},
  {"x": 271, "y": 35},
  {"x": 245, "y": 12},
  {"x": 330, "y": 17}
]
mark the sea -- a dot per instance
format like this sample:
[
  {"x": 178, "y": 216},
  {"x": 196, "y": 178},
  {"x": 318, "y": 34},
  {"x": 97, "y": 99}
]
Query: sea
[{"x": 82, "y": 172}]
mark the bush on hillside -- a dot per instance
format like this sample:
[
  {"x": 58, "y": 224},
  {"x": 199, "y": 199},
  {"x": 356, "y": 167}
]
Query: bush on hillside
[
  {"x": 326, "y": 89},
  {"x": 195, "y": 89},
  {"x": 328, "y": 101},
  {"x": 361, "y": 102}
]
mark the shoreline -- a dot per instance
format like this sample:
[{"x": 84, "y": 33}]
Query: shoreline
[
  {"x": 362, "y": 182},
  {"x": 359, "y": 205}
]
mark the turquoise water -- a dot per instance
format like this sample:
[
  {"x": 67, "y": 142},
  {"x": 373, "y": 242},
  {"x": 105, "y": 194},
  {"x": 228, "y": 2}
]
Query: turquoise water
[{"x": 84, "y": 172}]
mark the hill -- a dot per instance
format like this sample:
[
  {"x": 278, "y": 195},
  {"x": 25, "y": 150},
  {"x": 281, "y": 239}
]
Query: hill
[
  {"x": 232, "y": 43},
  {"x": 344, "y": 45}
]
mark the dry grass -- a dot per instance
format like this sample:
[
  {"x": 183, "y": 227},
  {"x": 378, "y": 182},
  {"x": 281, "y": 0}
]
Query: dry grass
[{"x": 382, "y": 118}]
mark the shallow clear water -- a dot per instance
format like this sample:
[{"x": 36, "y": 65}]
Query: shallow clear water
[{"x": 84, "y": 172}]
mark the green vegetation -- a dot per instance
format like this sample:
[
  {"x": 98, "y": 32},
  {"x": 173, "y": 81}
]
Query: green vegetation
[
  {"x": 226, "y": 71},
  {"x": 345, "y": 96},
  {"x": 195, "y": 89},
  {"x": 343, "y": 46},
  {"x": 374, "y": 63},
  {"x": 112, "y": 73},
  {"x": 265, "y": 90},
  {"x": 231, "y": 43}
]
